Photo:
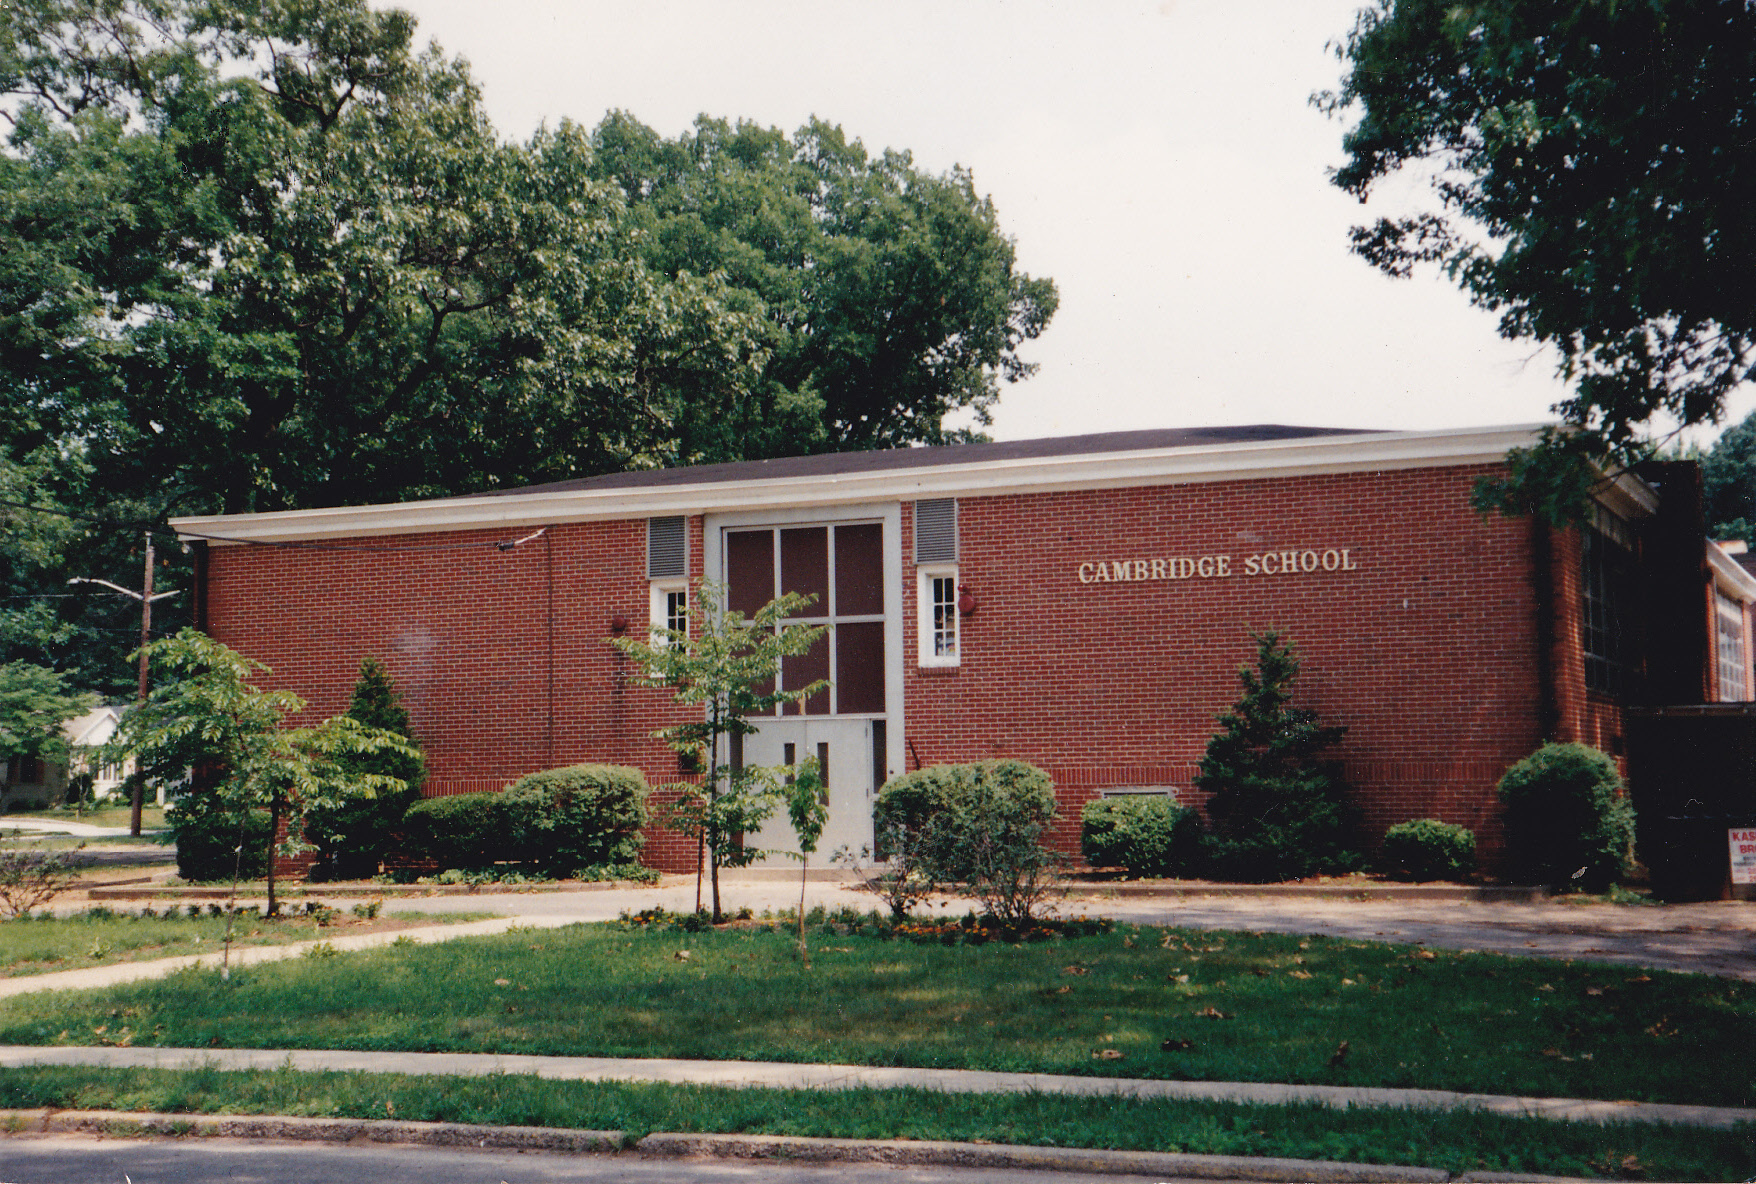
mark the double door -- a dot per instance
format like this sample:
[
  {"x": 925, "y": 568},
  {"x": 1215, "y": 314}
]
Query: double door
[{"x": 850, "y": 753}]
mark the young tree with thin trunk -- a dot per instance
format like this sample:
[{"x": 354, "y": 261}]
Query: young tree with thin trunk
[
  {"x": 728, "y": 665},
  {"x": 206, "y": 720}
]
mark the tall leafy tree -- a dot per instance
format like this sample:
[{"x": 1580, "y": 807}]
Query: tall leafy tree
[
  {"x": 267, "y": 254},
  {"x": 888, "y": 297},
  {"x": 1728, "y": 473},
  {"x": 289, "y": 263},
  {"x": 1590, "y": 162},
  {"x": 34, "y": 703}
]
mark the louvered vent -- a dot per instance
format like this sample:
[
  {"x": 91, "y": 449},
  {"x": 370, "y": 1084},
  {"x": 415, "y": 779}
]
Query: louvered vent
[
  {"x": 666, "y": 548},
  {"x": 936, "y": 530}
]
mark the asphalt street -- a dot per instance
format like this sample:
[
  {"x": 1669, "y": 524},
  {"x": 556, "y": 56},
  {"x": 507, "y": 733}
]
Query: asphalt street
[{"x": 68, "y": 1159}]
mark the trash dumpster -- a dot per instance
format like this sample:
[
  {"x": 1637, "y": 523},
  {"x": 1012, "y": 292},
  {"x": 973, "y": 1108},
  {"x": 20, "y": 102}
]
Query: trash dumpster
[{"x": 1692, "y": 775}]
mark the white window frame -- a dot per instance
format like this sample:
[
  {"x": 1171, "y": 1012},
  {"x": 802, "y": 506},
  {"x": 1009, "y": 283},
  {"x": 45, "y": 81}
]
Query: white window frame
[
  {"x": 1729, "y": 646},
  {"x": 927, "y": 633},
  {"x": 658, "y": 609}
]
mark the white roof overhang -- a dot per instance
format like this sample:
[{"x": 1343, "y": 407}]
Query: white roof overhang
[{"x": 1364, "y": 452}]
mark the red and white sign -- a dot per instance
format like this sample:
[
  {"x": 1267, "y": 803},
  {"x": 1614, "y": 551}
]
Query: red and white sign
[{"x": 1743, "y": 844}]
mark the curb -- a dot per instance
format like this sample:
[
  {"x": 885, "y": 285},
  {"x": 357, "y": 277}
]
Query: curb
[
  {"x": 310, "y": 1130},
  {"x": 115, "y": 1123},
  {"x": 1359, "y": 892}
]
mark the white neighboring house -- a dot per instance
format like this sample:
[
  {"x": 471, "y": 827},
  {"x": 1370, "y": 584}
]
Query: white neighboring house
[{"x": 42, "y": 781}]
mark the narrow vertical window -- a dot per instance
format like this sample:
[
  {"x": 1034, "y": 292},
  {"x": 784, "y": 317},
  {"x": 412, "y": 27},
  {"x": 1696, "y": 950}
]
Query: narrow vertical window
[
  {"x": 667, "y": 568},
  {"x": 937, "y": 598},
  {"x": 1730, "y": 632}
]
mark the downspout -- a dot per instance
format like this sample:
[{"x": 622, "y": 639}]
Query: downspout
[
  {"x": 549, "y": 563},
  {"x": 1542, "y": 579}
]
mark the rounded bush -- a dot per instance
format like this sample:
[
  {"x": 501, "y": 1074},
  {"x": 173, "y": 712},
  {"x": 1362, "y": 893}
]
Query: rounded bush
[
  {"x": 1427, "y": 849},
  {"x": 1568, "y": 821},
  {"x": 1148, "y": 834},
  {"x": 208, "y": 839},
  {"x": 981, "y": 825},
  {"x": 581, "y": 816},
  {"x": 466, "y": 830}
]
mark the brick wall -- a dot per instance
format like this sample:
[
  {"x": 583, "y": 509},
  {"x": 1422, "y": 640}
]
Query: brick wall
[{"x": 1427, "y": 650}]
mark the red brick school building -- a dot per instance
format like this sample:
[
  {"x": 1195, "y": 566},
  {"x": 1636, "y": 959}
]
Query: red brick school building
[{"x": 1082, "y": 603}]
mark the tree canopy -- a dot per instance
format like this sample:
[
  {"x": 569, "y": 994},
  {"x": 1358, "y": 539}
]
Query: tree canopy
[
  {"x": 1590, "y": 161},
  {"x": 269, "y": 255},
  {"x": 887, "y": 297}
]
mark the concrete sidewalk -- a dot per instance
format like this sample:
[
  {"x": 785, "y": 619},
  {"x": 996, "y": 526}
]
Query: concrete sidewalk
[
  {"x": 84, "y": 830},
  {"x": 784, "y": 1075},
  {"x": 129, "y": 972}
]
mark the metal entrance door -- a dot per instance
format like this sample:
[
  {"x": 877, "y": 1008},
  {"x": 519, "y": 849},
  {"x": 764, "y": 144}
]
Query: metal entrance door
[{"x": 851, "y": 754}]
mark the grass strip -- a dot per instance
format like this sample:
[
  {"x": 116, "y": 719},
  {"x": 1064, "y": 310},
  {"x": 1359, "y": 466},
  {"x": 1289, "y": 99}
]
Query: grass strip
[
  {"x": 151, "y": 817},
  {"x": 101, "y": 937},
  {"x": 1138, "y": 1002},
  {"x": 1453, "y": 1141}
]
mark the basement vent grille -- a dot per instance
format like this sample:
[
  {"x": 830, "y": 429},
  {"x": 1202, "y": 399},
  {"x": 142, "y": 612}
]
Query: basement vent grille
[
  {"x": 936, "y": 530},
  {"x": 666, "y": 548}
]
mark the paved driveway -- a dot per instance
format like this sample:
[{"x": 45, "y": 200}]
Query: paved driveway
[{"x": 1716, "y": 938}]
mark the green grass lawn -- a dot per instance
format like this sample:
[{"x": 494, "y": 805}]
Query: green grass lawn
[
  {"x": 1456, "y": 1142},
  {"x": 152, "y": 817},
  {"x": 1250, "y": 1007},
  {"x": 100, "y": 937}
]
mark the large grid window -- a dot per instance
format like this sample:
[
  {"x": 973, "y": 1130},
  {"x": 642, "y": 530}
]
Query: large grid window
[
  {"x": 842, "y": 567},
  {"x": 1730, "y": 636},
  {"x": 1607, "y": 604}
]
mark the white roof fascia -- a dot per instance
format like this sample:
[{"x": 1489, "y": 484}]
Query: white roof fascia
[
  {"x": 1190, "y": 464},
  {"x": 1628, "y": 495},
  {"x": 1730, "y": 575}
]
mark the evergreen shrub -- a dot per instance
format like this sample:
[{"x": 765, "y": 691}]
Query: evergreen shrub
[
  {"x": 1279, "y": 809},
  {"x": 352, "y": 837},
  {"x": 207, "y": 840},
  {"x": 581, "y": 816},
  {"x": 1568, "y": 822},
  {"x": 1427, "y": 849},
  {"x": 1148, "y": 834},
  {"x": 466, "y": 830}
]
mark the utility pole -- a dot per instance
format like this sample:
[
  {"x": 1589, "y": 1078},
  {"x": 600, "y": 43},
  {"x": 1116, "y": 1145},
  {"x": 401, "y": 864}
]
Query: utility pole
[{"x": 146, "y": 598}]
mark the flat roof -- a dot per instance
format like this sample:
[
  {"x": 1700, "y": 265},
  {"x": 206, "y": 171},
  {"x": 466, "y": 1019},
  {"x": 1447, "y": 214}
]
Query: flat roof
[
  {"x": 835, "y": 464},
  {"x": 1170, "y": 456}
]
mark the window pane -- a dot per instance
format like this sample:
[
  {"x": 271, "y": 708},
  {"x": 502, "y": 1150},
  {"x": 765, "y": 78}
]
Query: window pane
[
  {"x": 749, "y": 569},
  {"x": 803, "y": 669},
  {"x": 859, "y": 667},
  {"x": 944, "y": 589},
  {"x": 804, "y": 566},
  {"x": 859, "y": 569}
]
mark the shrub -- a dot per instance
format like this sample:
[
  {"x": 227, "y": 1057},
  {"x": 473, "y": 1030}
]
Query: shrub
[
  {"x": 1568, "y": 822},
  {"x": 981, "y": 825},
  {"x": 466, "y": 830},
  {"x": 578, "y": 816},
  {"x": 1280, "y": 810},
  {"x": 208, "y": 836},
  {"x": 32, "y": 877},
  {"x": 1427, "y": 849},
  {"x": 1148, "y": 834},
  {"x": 352, "y": 837}
]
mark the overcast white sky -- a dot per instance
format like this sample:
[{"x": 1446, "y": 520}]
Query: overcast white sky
[{"x": 1157, "y": 158}]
